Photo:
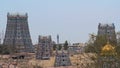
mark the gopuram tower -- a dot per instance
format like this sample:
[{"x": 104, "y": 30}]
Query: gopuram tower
[{"x": 17, "y": 35}]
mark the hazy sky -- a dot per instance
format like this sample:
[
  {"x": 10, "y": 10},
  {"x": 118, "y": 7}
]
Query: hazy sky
[{"x": 73, "y": 20}]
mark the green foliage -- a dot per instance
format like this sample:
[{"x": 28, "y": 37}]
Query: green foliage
[
  {"x": 59, "y": 47},
  {"x": 97, "y": 45},
  {"x": 54, "y": 47},
  {"x": 4, "y": 49},
  {"x": 118, "y": 51},
  {"x": 89, "y": 48},
  {"x": 65, "y": 45}
]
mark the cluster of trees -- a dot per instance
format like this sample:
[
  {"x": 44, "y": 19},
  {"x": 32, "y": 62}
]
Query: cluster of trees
[
  {"x": 4, "y": 49},
  {"x": 98, "y": 43},
  {"x": 59, "y": 46},
  {"x": 65, "y": 46}
]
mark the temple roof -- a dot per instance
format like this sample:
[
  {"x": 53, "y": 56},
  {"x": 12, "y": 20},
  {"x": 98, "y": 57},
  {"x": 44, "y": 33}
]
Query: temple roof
[{"x": 108, "y": 49}]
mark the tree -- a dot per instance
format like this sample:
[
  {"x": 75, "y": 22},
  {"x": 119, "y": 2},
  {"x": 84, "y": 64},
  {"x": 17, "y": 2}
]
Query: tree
[
  {"x": 4, "y": 49},
  {"x": 90, "y": 43},
  {"x": 90, "y": 48},
  {"x": 100, "y": 42},
  {"x": 54, "y": 47},
  {"x": 59, "y": 47},
  {"x": 96, "y": 46},
  {"x": 66, "y": 45}
]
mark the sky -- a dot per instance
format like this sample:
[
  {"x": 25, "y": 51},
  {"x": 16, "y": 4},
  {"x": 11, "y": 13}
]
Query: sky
[{"x": 73, "y": 20}]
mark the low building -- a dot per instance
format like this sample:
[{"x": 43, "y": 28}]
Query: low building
[{"x": 76, "y": 48}]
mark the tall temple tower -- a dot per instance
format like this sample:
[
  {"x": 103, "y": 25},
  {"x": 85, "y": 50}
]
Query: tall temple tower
[
  {"x": 17, "y": 33},
  {"x": 108, "y": 30}
]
